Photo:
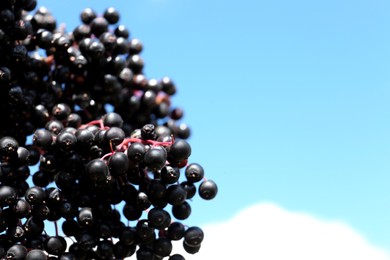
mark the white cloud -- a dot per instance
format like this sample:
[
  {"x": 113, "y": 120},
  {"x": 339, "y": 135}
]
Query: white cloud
[{"x": 266, "y": 231}]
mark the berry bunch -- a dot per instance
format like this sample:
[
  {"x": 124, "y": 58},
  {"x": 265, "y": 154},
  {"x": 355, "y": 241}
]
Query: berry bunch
[{"x": 77, "y": 107}]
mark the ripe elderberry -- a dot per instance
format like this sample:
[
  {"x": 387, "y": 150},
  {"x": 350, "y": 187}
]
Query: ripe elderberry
[{"x": 107, "y": 145}]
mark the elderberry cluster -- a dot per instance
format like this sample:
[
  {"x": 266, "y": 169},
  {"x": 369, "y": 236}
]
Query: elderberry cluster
[{"x": 105, "y": 143}]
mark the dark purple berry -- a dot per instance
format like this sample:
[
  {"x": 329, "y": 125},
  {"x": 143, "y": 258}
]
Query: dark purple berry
[
  {"x": 8, "y": 195},
  {"x": 155, "y": 158},
  {"x": 55, "y": 245},
  {"x": 118, "y": 164},
  {"x": 181, "y": 211},
  {"x": 17, "y": 252},
  {"x": 176, "y": 231},
  {"x": 208, "y": 189},
  {"x": 97, "y": 170},
  {"x": 111, "y": 15},
  {"x": 85, "y": 217},
  {"x": 194, "y": 172}
]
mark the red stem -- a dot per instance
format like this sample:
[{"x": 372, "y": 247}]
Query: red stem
[
  {"x": 93, "y": 122},
  {"x": 107, "y": 155},
  {"x": 126, "y": 141}
]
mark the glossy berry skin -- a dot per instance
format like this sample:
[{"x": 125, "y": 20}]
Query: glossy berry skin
[
  {"x": 183, "y": 131},
  {"x": 22, "y": 208},
  {"x": 193, "y": 236},
  {"x": 97, "y": 170},
  {"x": 142, "y": 201},
  {"x": 87, "y": 15},
  {"x": 99, "y": 25},
  {"x": 194, "y": 172},
  {"x": 169, "y": 174},
  {"x": 95, "y": 50},
  {"x": 136, "y": 64},
  {"x": 176, "y": 231},
  {"x": 176, "y": 257},
  {"x": 44, "y": 39},
  {"x": 190, "y": 188},
  {"x": 42, "y": 114},
  {"x": 23, "y": 156},
  {"x": 55, "y": 245},
  {"x": 112, "y": 16},
  {"x": 208, "y": 189},
  {"x": 48, "y": 163},
  {"x": 85, "y": 139},
  {"x": 42, "y": 138},
  {"x": 114, "y": 136},
  {"x": 5, "y": 75},
  {"x": 73, "y": 119},
  {"x": 66, "y": 256},
  {"x": 36, "y": 254},
  {"x": 181, "y": 211},
  {"x": 179, "y": 151},
  {"x": 61, "y": 111},
  {"x": 66, "y": 141},
  {"x": 145, "y": 233},
  {"x": 162, "y": 247},
  {"x": 176, "y": 195},
  {"x": 54, "y": 126},
  {"x": 191, "y": 249},
  {"x": 136, "y": 152},
  {"x": 81, "y": 32},
  {"x": 16, "y": 252},
  {"x": 136, "y": 46},
  {"x": 148, "y": 132},
  {"x": 34, "y": 227},
  {"x": 118, "y": 164},
  {"x": 8, "y": 195},
  {"x": 122, "y": 47},
  {"x": 122, "y": 31},
  {"x": 169, "y": 86},
  {"x": 8, "y": 146},
  {"x": 85, "y": 217},
  {"x": 159, "y": 218},
  {"x": 112, "y": 119},
  {"x": 54, "y": 197},
  {"x": 155, "y": 158}
]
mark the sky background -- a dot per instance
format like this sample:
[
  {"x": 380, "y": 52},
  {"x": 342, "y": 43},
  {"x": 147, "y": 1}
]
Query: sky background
[{"x": 288, "y": 101}]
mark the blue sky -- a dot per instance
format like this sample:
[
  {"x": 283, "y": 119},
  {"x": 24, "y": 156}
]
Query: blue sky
[{"x": 288, "y": 100}]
